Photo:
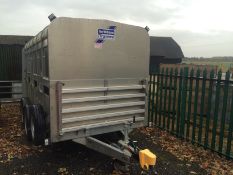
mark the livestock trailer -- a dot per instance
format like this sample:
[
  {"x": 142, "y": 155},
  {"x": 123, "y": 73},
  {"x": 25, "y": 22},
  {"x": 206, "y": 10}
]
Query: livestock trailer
[
  {"x": 84, "y": 78},
  {"x": 164, "y": 50}
]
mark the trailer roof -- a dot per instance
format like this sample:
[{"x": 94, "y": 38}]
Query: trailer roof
[
  {"x": 14, "y": 39},
  {"x": 166, "y": 47}
]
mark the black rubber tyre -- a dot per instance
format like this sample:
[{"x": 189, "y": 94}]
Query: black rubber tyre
[
  {"x": 38, "y": 125},
  {"x": 27, "y": 115},
  {"x": 24, "y": 102}
]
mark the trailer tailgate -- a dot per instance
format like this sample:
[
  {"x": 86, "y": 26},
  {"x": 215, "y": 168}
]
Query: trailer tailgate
[{"x": 90, "y": 104}]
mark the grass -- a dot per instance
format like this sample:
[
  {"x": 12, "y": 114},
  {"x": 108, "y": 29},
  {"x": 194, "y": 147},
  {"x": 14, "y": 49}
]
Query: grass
[{"x": 224, "y": 65}]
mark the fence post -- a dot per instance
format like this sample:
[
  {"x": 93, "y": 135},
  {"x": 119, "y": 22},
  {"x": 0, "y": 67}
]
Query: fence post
[
  {"x": 161, "y": 97},
  {"x": 195, "y": 106},
  {"x": 202, "y": 106},
  {"x": 157, "y": 97},
  {"x": 179, "y": 103},
  {"x": 183, "y": 101},
  {"x": 165, "y": 99},
  {"x": 174, "y": 112},
  {"x": 230, "y": 130},
  {"x": 169, "y": 99},
  {"x": 224, "y": 109},
  {"x": 189, "y": 102},
  {"x": 216, "y": 107},
  {"x": 149, "y": 100},
  {"x": 209, "y": 109},
  {"x": 153, "y": 102}
]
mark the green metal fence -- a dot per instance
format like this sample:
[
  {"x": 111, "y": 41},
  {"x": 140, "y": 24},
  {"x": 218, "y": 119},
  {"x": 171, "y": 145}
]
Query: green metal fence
[{"x": 196, "y": 105}]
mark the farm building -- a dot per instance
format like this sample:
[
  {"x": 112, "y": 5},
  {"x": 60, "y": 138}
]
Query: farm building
[
  {"x": 164, "y": 50},
  {"x": 10, "y": 61},
  {"x": 11, "y": 56}
]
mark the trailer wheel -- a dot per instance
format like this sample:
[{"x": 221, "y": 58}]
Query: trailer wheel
[
  {"x": 26, "y": 115},
  {"x": 38, "y": 125},
  {"x": 24, "y": 102}
]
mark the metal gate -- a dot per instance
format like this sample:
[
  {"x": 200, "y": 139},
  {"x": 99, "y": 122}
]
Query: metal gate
[{"x": 10, "y": 90}]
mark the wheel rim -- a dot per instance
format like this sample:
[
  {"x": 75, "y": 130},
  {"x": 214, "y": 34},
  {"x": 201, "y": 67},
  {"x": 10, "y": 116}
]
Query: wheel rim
[{"x": 32, "y": 129}]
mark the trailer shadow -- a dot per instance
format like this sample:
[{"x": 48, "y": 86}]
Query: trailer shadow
[
  {"x": 19, "y": 157},
  {"x": 72, "y": 158},
  {"x": 61, "y": 158}
]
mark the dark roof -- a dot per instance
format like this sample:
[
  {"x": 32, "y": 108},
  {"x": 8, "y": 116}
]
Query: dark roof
[
  {"x": 165, "y": 47},
  {"x": 14, "y": 39}
]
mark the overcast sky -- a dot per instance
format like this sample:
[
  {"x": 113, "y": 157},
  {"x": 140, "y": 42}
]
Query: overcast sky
[{"x": 201, "y": 27}]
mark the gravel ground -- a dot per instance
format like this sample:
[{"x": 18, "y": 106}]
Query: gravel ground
[{"x": 19, "y": 157}]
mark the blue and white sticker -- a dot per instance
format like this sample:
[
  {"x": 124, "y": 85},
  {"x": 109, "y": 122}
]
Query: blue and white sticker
[{"x": 105, "y": 34}]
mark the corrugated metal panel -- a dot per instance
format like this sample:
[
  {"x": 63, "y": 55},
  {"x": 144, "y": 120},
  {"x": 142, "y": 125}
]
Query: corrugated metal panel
[
  {"x": 10, "y": 62},
  {"x": 121, "y": 100},
  {"x": 14, "y": 39}
]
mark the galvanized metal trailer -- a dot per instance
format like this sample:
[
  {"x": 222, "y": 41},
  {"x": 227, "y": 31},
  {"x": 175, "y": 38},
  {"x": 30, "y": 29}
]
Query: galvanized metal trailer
[{"x": 83, "y": 78}]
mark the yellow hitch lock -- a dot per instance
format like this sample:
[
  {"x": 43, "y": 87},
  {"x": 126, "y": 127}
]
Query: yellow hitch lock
[{"x": 147, "y": 158}]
